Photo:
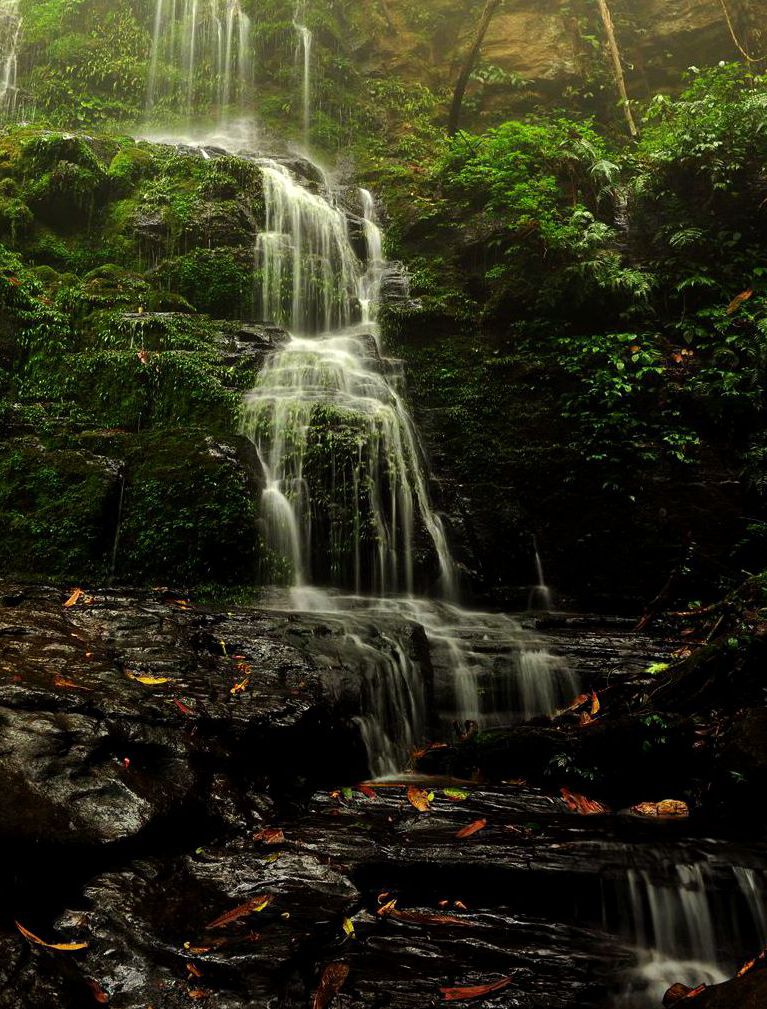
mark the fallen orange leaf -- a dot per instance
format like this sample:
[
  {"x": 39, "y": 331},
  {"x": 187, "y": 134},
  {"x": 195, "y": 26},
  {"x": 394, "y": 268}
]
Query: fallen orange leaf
[
  {"x": 580, "y": 804},
  {"x": 60, "y": 681},
  {"x": 419, "y": 798},
  {"x": 579, "y": 701},
  {"x": 424, "y": 918},
  {"x": 74, "y": 598},
  {"x": 386, "y": 908},
  {"x": 270, "y": 835},
  {"x": 67, "y": 947},
  {"x": 97, "y": 991},
  {"x": 739, "y": 300},
  {"x": 474, "y": 991},
  {"x": 332, "y": 981},
  {"x": 595, "y": 704},
  {"x": 249, "y": 907},
  {"x": 473, "y": 828}
]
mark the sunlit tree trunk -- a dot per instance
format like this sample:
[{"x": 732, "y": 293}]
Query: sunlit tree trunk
[
  {"x": 469, "y": 65},
  {"x": 615, "y": 55}
]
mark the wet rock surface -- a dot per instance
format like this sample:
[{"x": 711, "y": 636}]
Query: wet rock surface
[{"x": 170, "y": 796}]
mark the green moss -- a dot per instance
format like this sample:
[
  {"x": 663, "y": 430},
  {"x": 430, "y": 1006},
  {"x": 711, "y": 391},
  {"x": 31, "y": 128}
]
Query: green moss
[
  {"x": 217, "y": 281},
  {"x": 59, "y": 511}
]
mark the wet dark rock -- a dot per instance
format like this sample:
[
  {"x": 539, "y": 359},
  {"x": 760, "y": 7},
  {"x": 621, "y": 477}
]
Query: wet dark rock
[{"x": 749, "y": 992}]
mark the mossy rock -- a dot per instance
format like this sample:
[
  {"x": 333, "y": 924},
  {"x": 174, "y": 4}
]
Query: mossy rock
[
  {"x": 60, "y": 511},
  {"x": 190, "y": 508}
]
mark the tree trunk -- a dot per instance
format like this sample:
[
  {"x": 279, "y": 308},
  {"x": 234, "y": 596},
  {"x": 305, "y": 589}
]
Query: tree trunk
[
  {"x": 620, "y": 80},
  {"x": 470, "y": 63}
]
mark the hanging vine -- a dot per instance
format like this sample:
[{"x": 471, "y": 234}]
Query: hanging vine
[{"x": 738, "y": 44}]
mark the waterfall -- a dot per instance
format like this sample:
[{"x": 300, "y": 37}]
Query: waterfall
[
  {"x": 304, "y": 60},
  {"x": 346, "y": 503},
  {"x": 10, "y": 38},
  {"x": 200, "y": 57}
]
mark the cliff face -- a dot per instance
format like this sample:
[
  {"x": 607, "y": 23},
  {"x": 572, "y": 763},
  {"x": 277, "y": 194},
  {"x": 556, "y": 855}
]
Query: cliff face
[{"x": 551, "y": 50}]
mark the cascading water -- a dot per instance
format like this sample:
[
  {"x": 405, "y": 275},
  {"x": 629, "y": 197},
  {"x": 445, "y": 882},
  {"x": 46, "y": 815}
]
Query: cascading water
[
  {"x": 309, "y": 271},
  {"x": 346, "y": 502},
  {"x": 200, "y": 55},
  {"x": 371, "y": 281},
  {"x": 10, "y": 38},
  {"x": 692, "y": 923}
]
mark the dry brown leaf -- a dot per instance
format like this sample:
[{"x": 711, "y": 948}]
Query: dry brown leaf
[
  {"x": 739, "y": 300},
  {"x": 419, "y": 798},
  {"x": 66, "y": 947},
  {"x": 367, "y": 791},
  {"x": 270, "y": 835},
  {"x": 424, "y": 918},
  {"x": 473, "y": 828},
  {"x": 669, "y": 809},
  {"x": 251, "y": 906},
  {"x": 679, "y": 993},
  {"x": 474, "y": 991},
  {"x": 332, "y": 981},
  {"x": 75, "y": 598},
  {"x": 60, "y": 681},
  {"x": 97, "y": 991},
  {"x": 580, "y": 804}
]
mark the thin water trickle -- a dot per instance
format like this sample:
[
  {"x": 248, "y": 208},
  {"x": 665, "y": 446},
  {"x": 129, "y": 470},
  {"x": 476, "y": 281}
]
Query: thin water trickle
[
  {"x": 200, "y": 57},
  {"x": 10, "y": 39},
  {"x": 540, "y": 595},
  {"x": 304, "y": 61}
]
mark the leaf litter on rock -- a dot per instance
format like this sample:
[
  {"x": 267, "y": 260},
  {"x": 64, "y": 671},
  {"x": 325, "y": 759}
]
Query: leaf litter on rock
[
  {"x": 332, "y": 981},
  {"x": 471, "y": 992},
  {"x": 252, "y": 906},
  {"x": 66, "y": 947}
]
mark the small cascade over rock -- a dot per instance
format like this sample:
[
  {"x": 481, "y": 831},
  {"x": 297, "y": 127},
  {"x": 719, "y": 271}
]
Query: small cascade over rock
[
  {"x": 372, "y": 280},
  {"x": 346, "y": 493},
  {"x": 201, "y": 57},
  {"x": 309, "y": 271},
  {"x": 10, "y": 39},
  {"x": 692, "y": 922}
]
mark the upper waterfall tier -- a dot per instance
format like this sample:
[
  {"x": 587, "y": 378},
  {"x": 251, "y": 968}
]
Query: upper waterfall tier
[
  {"x": 311, "y": 277},
  {"x": 201, "y": 56}
]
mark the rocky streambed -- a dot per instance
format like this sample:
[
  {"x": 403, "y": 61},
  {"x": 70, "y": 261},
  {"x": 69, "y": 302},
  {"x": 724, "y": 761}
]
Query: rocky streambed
[{"x": 184, "y": 806}]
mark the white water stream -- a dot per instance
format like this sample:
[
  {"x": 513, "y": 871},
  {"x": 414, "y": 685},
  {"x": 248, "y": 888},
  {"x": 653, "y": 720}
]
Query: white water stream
[
  {"x": 200, "y": 57},
  {"x": 10, "y": 39},
  {"x": 305, "y": 39},
  {"x": 688, "y": 927}
]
